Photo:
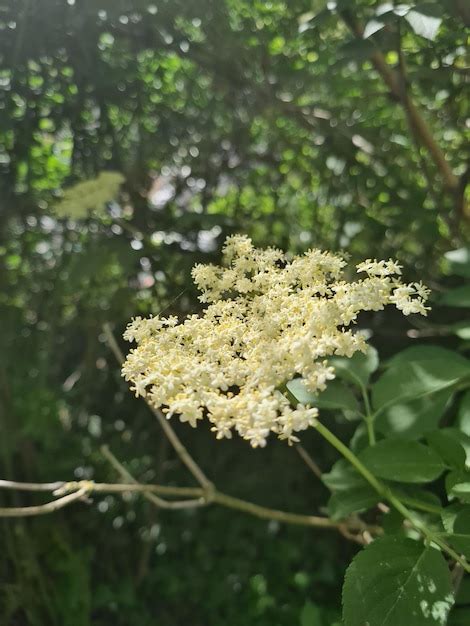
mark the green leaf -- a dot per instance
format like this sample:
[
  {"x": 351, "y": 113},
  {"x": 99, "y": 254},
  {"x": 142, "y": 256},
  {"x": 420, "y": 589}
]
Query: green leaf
[
  {"x": 342, "y": 503},
  {"x": 448, "y": 516},
  {"x": 463, "y": 439},
  {"x": 335, "y": 396},
  {"x": 372, "y": 27},
  {"x": 413, "y": 418},
  {"x": 463, "y": 594},
  {"x": 406, "y": 380},
  {"x": 462, "y": 521},
  {"x": 396, "y": 581},
  {"x": 90, "y": 196},
  {"x": 459, "y": 297},
  {"x": 415, "y": 498},
  {"x": 448, "y": 448},
  {"x": 458, "y": 485},
  {"x": 358, "y": 368},
  {"x": 402, "y": 461},
  {"x": 459, "y": 261},
  {"x": 426, "y": 353},
  {"x": 459, "y": 531},
  {"x": 461, "y": 329},
  {"x": 310, "y": 615},
  {"x": 357, "y": 50},
  {"x": 343, "y": 476},
  {"x": 360, "y": 439},
  {"x": 463, "y": 413},
  {"x": 423, "y": 24}
]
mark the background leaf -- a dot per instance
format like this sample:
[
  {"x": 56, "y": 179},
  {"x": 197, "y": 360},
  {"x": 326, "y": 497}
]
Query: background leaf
[{"x": 458, "y": 297}]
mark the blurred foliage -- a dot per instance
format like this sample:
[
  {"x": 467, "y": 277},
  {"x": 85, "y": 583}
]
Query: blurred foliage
[{"x": 262, "y": 117}]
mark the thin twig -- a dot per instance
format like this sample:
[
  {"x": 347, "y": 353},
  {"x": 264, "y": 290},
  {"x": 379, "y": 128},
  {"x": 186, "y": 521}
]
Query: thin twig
[
  {"x": 88, "y": 487},
  {"x": 50, "y": 487},
  {"x": 113, "y": 344},
  {"x": 65, "y": 487},
  {"x": 160, "y": 502},
  {"x": 42, "y": 509},
  {"x": 308, "y": 460}
]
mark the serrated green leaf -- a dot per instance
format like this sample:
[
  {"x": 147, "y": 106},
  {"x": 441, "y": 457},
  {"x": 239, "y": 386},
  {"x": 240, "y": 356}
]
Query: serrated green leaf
[
  {"x": 335, "y": 396},
  {"x": 358, "y": 368},
  {"x": 397, "y": 581},
  {"x": 448, "y": 448},
  {"x": 342, "y": 503},
  {"x": 402, "y": 461},
  {"x": 459, "y": 297},
  {"x": 413, "y": 418}
]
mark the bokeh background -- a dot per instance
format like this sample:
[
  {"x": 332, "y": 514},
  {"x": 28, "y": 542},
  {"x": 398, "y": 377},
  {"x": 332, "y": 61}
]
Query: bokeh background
[{"x": 270, "y": 118}]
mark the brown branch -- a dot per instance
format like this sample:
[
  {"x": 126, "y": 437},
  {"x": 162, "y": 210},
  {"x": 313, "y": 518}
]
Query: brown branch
[
  {"x": 308, "y": 460},
  {"x": 42, "y": 509},
  {"x": 156, "y": 500},
  {"x": 82, "y": 488},
  {"x": 415, "y": 118}
]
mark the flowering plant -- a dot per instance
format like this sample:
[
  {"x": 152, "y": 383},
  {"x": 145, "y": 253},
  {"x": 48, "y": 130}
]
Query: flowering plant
[{"x": 261, "y": 359}]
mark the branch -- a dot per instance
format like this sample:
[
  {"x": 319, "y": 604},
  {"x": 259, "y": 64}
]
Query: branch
[
  {"x": 87, "y": 487},
  {"x": 160, "y": 502},
  {"x": 414, "y": 116},
  {"x": 308, "y": 460},
  {"x": 42, "y": 509}
]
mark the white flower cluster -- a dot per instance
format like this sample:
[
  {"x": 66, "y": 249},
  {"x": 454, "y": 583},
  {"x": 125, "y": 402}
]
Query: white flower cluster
[{"x": 269, "y": 319}]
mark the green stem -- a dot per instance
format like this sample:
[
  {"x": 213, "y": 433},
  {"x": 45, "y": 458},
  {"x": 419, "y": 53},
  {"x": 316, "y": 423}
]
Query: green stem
[
  {"x": 385, "y": 492},
  {"x": 369, "y": 417},
  {"x": 351, "y": 457}
]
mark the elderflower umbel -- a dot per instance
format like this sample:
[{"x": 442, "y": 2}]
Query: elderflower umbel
[{"x": 268, "y": 320}]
